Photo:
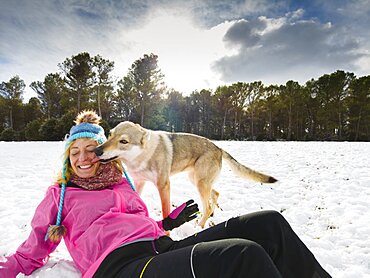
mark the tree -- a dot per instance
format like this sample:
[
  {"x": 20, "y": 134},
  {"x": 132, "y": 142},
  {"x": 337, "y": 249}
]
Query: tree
[
  {"x": 144, "y": 79},
  {"x": 174, "y": 111},
  {"x": 32, "y": 130},
  {"x": 103, "y": 85},
  {"x": 9, "y": 134},
  {"x": 312, "y": 106},
  {"x": 64, "y": 124},
  {"x": 238, "y": 101},
  {"x": 332, "y": 90},
  {"x": 191, "y": 114},
  {"x": 32, "y": 110},
  {"x": 78, "y": 77},
  {"x": 268, "y": 104},
  {"x": 12, "y": 91},
  {"x": 289, "y": 95},
  {"x": 157, "y": 119},
  {"x": 203, "y": 102},
  {"x": 125, "y": 103},
  {"x": 340, "y": 82},
  {"x": 49, "y": 130},
  {"x": 50, "y": 92},
  {"x": 3, "y": 113},
  {"x": 223, "y": 102},
  {"x": 253, "y": 92},
  {"x": 358, "y": 103}
]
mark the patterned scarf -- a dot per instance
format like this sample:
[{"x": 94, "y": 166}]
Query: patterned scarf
[{"x": 105, "y": 176}]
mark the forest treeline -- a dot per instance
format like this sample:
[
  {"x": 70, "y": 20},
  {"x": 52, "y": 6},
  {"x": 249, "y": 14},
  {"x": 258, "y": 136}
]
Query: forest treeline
[{"x": 335, "y": 106}]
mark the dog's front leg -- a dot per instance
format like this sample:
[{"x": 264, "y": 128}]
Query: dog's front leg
[
  {"x": 164, "y": 193},
  {"x": 139, "y": 186}
]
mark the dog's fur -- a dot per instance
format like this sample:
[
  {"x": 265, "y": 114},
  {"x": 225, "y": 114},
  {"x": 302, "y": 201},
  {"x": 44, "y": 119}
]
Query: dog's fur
[{"x": 156, "y": 155}]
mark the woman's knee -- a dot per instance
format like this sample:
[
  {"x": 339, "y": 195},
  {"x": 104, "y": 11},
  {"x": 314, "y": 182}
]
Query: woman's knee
[
  {"x": 275, "y": 217},
  {"x": 254, "y": 225},
  {"x": 265, "y": 217},
  {"x": 228, "y": 257},
  {"x": 233, "y": 249}
]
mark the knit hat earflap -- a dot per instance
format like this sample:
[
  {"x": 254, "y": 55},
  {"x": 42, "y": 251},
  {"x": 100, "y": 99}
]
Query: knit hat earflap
[{"x": 87, "y": 126}]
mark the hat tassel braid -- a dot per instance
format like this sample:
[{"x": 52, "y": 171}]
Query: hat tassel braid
[{"x": 57, "y": 231}]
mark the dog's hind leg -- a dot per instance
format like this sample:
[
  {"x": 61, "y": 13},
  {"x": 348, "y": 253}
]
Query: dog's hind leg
[
  {"x": 204, "y": 178},
  {"x": 205, "y": 195},
  {"x": 214, "y": 198}
]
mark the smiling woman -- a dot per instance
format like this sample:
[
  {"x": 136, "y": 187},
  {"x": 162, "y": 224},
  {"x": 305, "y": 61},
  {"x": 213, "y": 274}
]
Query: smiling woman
[{"x": 81, "y": 157}]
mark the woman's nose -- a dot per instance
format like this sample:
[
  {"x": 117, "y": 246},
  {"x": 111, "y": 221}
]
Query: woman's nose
[{"x": 83, "y": 156}]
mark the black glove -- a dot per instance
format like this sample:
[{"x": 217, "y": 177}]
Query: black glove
[{"x": 183, "y": 213}]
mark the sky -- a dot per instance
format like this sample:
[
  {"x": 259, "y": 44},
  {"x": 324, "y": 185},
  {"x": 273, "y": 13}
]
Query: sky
[{"x": 200, "y": 44}]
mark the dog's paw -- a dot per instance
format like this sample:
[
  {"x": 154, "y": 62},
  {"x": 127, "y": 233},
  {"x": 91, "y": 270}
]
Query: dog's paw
[
  {"x": 211, "y": 223},
  {"x": 218, "y": 206}
]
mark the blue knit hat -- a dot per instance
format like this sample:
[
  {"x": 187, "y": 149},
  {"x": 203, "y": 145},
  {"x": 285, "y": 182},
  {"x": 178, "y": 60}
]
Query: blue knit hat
[
  {"x": 86, "y": 130},
  {"x": 87, "y": 126}
]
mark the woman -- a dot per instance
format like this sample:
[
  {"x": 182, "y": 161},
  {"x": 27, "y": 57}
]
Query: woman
[{"x": 107, "y": 230}]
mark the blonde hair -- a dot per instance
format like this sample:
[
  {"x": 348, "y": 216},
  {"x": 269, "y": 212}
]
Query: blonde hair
[{"x": 69, "y": 171}]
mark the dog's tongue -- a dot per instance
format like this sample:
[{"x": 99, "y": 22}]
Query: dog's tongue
[{"x": 96, "y": 159}]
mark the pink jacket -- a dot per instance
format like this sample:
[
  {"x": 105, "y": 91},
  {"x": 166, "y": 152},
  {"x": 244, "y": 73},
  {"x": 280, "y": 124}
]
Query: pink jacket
[{"x": 97, "y": 222}]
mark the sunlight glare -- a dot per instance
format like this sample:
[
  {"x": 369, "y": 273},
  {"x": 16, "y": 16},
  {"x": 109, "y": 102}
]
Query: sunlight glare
[{"x": 185, "y": 51}]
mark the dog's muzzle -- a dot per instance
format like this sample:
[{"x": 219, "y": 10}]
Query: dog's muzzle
[{"x": 99, "y": 152}]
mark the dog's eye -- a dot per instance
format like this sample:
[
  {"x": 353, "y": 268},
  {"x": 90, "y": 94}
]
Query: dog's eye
[{"x": 123, "y": 141}]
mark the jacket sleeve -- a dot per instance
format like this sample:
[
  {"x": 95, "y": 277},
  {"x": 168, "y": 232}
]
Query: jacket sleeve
[
  {"x": 34, "y": 252},
  {"x": 160, "y": 225}
]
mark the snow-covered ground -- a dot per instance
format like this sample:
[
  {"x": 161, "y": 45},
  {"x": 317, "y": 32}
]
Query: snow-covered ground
[{"x": 323, "y": 191}]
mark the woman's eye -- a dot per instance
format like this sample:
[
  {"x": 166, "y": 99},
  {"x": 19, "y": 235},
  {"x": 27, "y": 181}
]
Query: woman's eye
[{"x": 123, "y": 141}]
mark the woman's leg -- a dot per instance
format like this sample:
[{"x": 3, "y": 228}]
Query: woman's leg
[
  {"x": 228, "y": 258},
  {"x": 270, "y": 230}
]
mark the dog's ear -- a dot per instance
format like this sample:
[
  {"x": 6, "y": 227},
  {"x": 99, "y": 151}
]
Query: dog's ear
[{"x": 145, "y": 137}]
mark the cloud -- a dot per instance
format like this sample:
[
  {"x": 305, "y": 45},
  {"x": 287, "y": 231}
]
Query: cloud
[
  {"x": 210, "y": 13},
  {"x": 37, "y": 35},
  {"x": 277, "y": 50},
  {"x": 200, "y": 43}
]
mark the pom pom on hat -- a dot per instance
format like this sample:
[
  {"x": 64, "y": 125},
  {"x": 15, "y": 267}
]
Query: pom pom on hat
[
  {"x": 87, "y": 116},
  {"x": 56, "y": 232}
]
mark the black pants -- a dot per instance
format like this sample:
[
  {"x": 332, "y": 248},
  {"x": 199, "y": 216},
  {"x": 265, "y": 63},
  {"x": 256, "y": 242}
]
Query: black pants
[{"x": 260, "y": 244}]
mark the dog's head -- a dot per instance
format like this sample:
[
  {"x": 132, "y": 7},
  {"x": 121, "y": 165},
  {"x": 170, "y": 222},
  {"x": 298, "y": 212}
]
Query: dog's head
[{"x": 126, "y": 141}]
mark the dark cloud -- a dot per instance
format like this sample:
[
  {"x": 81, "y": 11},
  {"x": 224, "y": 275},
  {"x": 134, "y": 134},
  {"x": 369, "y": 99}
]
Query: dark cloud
[
  {"x": 274, "y": 52},
  {"x": 244, "y": 33}
]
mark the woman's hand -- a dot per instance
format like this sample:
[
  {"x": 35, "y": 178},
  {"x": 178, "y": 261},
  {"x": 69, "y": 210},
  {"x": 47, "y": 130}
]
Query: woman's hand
[{"x": 183, "y": 213}]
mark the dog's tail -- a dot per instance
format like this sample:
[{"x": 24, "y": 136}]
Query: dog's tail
[{"x": 244, "y": 171}]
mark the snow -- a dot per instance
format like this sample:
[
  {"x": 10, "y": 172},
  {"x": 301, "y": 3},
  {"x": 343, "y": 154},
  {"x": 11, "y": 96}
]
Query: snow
[{"x": 323, "y": 191}]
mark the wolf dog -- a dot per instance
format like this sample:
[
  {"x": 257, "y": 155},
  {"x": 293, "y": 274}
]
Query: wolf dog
[{"x": 156, "y": 155}]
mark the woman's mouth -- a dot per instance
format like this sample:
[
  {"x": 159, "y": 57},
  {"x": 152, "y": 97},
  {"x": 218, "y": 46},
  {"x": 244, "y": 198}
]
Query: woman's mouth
[{"x": 83, "y": 167}]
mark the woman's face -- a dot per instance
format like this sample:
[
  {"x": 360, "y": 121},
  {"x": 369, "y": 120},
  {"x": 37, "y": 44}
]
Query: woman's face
[{"x": 81, "y": 154}]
